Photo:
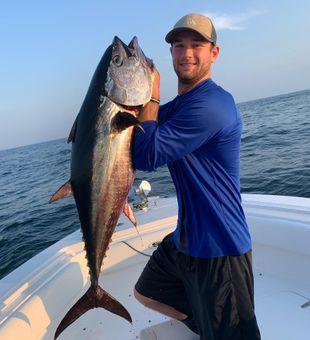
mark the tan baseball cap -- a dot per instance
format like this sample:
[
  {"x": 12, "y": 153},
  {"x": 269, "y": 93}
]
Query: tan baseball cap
[{"x": 195, "y": 22}]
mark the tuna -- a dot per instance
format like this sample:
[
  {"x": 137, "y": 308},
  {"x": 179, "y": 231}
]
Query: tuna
[{"x": 102, "y": 172}]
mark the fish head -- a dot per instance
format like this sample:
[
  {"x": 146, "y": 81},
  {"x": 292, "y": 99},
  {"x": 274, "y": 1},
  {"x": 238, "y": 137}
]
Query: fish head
[{"x": 130, "y": 74}]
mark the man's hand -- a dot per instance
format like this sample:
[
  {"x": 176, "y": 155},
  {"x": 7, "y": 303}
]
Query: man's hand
[
  {"x": 156, "y": 84},
  {"x": 150, "y": 110}
]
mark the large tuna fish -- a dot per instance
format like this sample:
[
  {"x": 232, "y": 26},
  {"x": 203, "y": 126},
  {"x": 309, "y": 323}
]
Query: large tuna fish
[{"x": 101, "y": 166}]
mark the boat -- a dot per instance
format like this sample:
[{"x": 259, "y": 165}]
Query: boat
[{"x": 36, "y": 296}]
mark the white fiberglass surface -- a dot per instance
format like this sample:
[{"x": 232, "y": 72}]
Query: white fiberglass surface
[
  {"x": 36, "y": 296},
  {"x": 279, "y": 297}
]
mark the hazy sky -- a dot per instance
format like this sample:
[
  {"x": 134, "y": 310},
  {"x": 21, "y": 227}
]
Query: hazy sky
[{"x": 50, "y": 49}]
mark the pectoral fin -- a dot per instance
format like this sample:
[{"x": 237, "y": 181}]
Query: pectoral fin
[
  {"x": 64, "y": 190},
  {"x": 123, "y": 120}
]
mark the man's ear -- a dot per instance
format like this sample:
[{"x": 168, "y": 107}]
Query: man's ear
[
  {"x": 171, "y": 49},
  {"x": 215, "y": 52}
]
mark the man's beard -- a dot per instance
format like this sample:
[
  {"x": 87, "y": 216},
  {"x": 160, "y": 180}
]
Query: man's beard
[
  {"x": 189, "y": 79},
  {"x": 186, "y": 80}
]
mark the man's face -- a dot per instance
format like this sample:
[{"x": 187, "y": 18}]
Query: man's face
[{"x": 192, "y": 57}]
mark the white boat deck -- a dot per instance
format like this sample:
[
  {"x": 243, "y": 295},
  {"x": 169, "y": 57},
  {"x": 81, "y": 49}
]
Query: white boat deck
[{"x": 35, "y": 297}]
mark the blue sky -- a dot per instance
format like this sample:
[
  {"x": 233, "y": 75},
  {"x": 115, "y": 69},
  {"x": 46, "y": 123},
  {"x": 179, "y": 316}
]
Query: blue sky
[{"x": 49, "y": 51}]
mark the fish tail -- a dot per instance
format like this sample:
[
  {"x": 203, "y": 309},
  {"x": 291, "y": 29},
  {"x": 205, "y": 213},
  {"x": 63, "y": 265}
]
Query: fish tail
[{"x": 95, "y": 297}]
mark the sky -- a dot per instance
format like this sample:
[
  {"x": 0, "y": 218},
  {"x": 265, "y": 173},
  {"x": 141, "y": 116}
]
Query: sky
[{"x": 49, "y": 51}]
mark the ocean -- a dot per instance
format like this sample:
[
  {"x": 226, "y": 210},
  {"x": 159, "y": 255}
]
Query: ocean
[{"x": 275, "y": 159}]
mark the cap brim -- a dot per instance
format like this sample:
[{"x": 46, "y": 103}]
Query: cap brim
[{"x": 171, "y": 35}]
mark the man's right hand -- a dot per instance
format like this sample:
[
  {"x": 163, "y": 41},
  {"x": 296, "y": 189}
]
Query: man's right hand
[
  {"x": 150, "y": 110},
  {"x": 156, "y": 84}
]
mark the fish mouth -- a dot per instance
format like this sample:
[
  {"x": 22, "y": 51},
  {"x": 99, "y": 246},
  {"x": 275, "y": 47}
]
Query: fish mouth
[{"x": 135, "y": 110}]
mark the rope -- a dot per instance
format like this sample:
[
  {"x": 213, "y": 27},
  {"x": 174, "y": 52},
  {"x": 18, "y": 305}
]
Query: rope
[{"x": 136, "y": 250}]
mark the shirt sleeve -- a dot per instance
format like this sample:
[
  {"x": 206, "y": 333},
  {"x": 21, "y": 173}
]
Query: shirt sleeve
[{"x": 190, "y": 127}]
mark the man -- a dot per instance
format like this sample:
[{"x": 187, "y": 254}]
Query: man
[{"x": 201, "y": 274}]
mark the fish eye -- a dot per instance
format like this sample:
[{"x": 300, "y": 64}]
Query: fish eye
[{"x": 117, "y": 60}]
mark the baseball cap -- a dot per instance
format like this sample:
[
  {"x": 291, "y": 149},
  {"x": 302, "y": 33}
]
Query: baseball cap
[{"x": 195, "y": 22}]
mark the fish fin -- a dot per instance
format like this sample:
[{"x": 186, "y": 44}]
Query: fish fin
[
  {"x": 72, "y": 133},
  {"x": 94, "y": 297},
  {"x": 123, "y": 120},
  {"x": 140, "y": 127},
  {"x": 129, "y": 213},
  {"x": 64, "y": 190}
]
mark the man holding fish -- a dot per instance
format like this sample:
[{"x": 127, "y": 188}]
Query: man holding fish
[{"x": 201, "y": 274}]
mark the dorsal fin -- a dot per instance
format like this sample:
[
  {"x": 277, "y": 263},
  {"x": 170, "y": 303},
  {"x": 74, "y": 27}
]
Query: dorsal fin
[{"x": 72, "y": 133}]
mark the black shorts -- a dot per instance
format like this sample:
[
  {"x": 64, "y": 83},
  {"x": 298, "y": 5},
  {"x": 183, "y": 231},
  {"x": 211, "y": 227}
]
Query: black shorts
[{"x": 217, "y": 292}]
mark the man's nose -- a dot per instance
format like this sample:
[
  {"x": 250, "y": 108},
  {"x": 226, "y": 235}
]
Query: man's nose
[{"x": 188, "y": 52}]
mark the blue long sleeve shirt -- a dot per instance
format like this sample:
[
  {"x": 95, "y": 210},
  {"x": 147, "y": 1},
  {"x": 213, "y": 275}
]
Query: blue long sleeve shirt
[{"x": 198, "y": 136}]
